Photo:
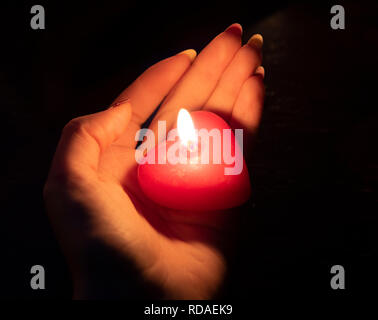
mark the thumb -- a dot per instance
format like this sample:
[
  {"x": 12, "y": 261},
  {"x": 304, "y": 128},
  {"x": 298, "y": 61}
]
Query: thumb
[{"x": 84, "y": 138}]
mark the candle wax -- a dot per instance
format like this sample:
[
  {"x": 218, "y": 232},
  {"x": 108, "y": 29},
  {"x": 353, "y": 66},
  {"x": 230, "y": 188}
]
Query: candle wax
[{"x": 196, "y": 186}]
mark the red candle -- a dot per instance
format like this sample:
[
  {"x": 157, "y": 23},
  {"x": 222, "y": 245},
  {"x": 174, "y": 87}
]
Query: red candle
[{"x": 211, "y": 173}]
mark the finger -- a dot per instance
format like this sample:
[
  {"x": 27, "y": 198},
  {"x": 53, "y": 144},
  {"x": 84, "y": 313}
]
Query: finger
[
  {"x": 247, "y": 111},
  {"x": 84, "y": 138},
  {"x": 242, "y": 66},
  {"x": 261, "y": 71},
  {"x": 199, "y": 82},
  {"x": 150, "y": 88}
]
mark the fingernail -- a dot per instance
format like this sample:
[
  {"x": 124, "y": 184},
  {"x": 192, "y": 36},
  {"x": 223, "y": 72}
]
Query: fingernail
[
  {"x": 256, "y": 41},
  {"x": 261, "y": 71},
  {"x": 118, "y": 103},
  {"x": 191, "y": 53},
  {"x": 235, "y": 29}
]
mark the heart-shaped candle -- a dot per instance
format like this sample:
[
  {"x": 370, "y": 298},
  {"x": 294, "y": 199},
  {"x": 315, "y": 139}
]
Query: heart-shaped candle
[{"x": 201, "y": 169}]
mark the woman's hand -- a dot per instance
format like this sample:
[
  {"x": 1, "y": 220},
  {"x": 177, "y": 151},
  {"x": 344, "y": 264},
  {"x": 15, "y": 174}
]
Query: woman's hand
[{"x": 117, "y": 242}]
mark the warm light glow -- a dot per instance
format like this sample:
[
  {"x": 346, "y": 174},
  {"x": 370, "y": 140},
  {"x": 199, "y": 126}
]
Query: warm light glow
[{"x": 185, "y": 128}]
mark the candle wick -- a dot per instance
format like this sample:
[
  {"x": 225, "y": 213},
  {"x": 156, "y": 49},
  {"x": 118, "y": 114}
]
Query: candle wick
[{"x": 192, "y": 146}]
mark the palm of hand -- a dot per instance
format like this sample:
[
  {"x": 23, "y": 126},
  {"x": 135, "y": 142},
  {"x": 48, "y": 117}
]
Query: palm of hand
[{"x": 181, "y": 250}]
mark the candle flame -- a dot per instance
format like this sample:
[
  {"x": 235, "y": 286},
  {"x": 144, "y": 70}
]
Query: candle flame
[{"x": 185, "y": 128}]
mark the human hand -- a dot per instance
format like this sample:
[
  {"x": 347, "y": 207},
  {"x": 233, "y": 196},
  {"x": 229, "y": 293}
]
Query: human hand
[{"x": 117, "y": 242}]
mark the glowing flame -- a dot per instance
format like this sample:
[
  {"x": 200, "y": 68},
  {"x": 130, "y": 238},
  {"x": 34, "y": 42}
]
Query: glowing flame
[{"x": 185, "y": 128}]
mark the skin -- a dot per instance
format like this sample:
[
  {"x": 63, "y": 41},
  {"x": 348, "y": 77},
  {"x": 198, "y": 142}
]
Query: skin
[{"x": 117, "y": 242}]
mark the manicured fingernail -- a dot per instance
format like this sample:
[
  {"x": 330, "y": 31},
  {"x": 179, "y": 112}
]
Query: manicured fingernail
[
  {"x": 191, "y": 53},
  {"x": 261, "y": 71},
  {"x": 256, "y": 41},
  {"x": 235, "y": 29},
  {"x": 118, "y": 103}
]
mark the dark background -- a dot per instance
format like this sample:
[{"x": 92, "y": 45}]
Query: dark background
[{"x": 314, "y": 169}]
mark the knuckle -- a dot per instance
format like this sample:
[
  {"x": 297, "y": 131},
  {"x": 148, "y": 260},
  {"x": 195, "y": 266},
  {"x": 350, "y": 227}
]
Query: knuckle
[{"x": 75, "y": 125}]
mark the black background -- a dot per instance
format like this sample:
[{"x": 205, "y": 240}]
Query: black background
[{"x": 314, "y": 169}]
